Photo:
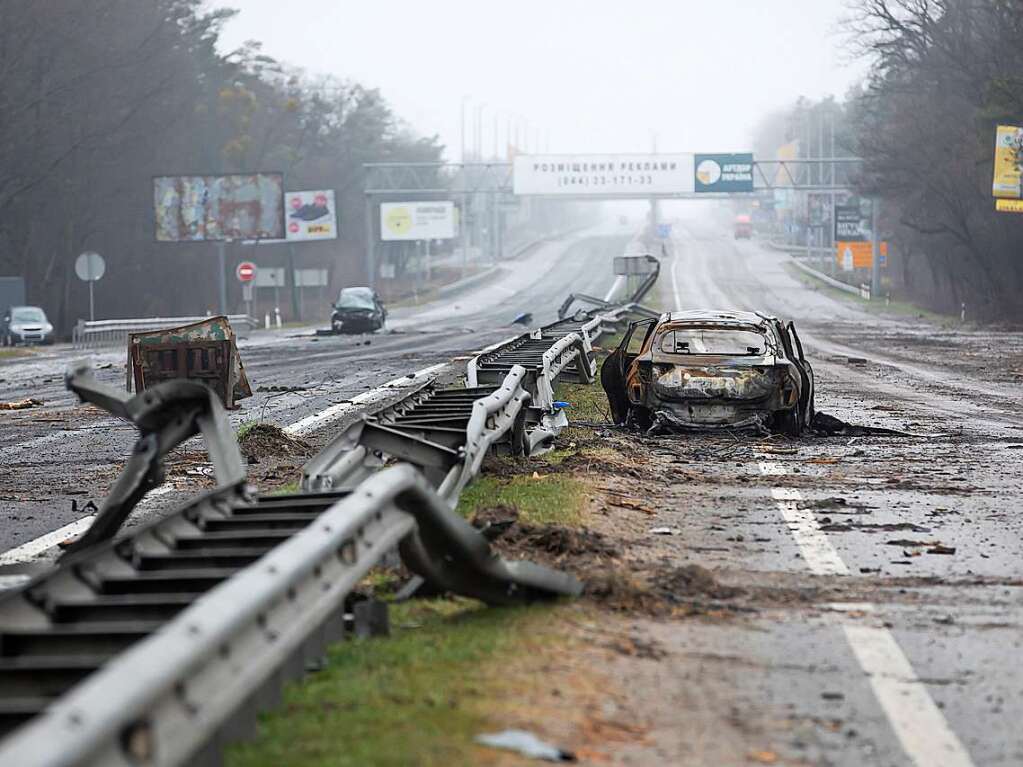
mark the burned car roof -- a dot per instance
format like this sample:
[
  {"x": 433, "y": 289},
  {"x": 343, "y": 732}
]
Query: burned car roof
[{"x": 718, "y": 317}]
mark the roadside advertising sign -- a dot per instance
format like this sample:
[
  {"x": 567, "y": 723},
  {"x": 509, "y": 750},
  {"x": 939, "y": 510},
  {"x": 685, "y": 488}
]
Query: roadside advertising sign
[
  {"x": 312, "y": 215},
  {"x": 1008, "y": 146},
  {"x": 210, "y": 208},
  {"x": 858, "y": 254},
  {"x": 1009, "y": 206},
  {"x": 417, "y": 220},
  {"x": 724, "y": 172},
  {"x": 849, "y": 224},
  {"x": 603, "y": 174}
]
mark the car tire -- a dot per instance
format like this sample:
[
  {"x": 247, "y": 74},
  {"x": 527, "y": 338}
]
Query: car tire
[{"x": 789, "y": 422}]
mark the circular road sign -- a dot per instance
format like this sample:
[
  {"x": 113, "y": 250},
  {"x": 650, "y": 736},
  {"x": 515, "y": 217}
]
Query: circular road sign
[
  {"x": 246, "y": 271},
  {"x": 90, "y": 266}
]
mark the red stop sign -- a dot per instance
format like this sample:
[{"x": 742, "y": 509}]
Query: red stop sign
[{"x": 246, "y": 271}]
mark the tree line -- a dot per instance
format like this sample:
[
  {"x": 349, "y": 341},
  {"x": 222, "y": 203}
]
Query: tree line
[
  {"x": 99, "y": 96},
  {"x": 943, "y": 74}
]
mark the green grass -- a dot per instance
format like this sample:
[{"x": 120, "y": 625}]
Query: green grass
[
  {"x": 902, "y": 308},
  {"x": 588, "y": 402},
  {"x": 415, "y": 698},
  {"x": 10, "y": 353},
  {"x": 554, "y": 499},
  {"x": 244, "y": 428},
  {"x": 287, "y": 488}
]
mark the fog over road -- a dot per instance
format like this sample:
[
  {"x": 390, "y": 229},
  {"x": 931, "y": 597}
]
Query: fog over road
[{"x": 868, "y": 649}]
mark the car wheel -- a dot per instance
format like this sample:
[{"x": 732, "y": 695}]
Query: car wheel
[{"x": 789, "y": 422}]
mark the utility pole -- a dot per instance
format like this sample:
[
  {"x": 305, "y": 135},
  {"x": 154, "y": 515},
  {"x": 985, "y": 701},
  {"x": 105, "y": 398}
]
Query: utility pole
[
  {"x": 875, "y": 236},
  {"x": 221, "y": 279}
]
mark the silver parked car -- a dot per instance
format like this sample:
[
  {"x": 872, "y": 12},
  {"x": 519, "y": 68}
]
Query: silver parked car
[{"x": 25, "y": 325}]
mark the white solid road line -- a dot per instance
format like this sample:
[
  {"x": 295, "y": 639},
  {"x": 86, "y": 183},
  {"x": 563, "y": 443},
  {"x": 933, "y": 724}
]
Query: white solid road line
[
  {"x": 332, "y": 413},
  {"x": 917, "y": 721},
  {"x": 34, "y": 548}
]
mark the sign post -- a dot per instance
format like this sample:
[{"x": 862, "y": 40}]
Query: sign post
[{"x": 90, "y": 267}]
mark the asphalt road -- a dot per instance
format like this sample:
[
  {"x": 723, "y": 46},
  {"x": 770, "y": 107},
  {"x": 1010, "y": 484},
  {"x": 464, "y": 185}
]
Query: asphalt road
[
  {"x": 916, "y": 662},
  {"x": 874, "y": 652},
  {"x": 58, "y": 457}
]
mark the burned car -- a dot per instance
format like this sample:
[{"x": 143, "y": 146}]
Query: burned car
[
  {"x": 703, "y": 370},
  {"x": 358, "y": 310}
]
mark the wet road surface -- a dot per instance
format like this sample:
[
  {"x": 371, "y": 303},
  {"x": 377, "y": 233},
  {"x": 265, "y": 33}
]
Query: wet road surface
[
  {"x": 900, "y": 558},
  {"x": 65, "y": 453}
]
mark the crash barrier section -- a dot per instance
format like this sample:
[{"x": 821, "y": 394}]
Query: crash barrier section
[
  {"x": 853, "y": 289},
  {"x": 101, "y": 333},
  {"x": 444, "y": 432},
  {"x": 645, "y": 265},
  {"x": 159, "y": 647}
]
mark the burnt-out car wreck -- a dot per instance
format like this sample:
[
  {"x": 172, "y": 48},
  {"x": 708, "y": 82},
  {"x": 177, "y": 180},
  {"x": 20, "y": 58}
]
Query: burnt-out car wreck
[{"x": 710, "y": 370}]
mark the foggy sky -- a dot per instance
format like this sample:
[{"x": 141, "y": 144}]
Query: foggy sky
[{"x": 593, "y": 75}]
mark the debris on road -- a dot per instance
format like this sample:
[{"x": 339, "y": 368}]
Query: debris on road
[
  {"x": 23, "y": 404},
  {"x": 662, "y": 531},
  {"x": 527, "y": 744},
  {"x": 824, "y": 425},
  {"x": 941, "y": 549},
  {"x": 201, "y": 351},
  {"x": 263, "y": 440}
]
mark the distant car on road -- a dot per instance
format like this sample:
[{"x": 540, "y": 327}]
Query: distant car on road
[
  {"x": 358, "y": 310},
  {"x": 708, "y": 370},
  {"x": 25, "y": 325},
  {"x": 743, "y": 227}
]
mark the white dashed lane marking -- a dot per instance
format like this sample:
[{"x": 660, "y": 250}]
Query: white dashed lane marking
[{"x": 917, "y": 721}]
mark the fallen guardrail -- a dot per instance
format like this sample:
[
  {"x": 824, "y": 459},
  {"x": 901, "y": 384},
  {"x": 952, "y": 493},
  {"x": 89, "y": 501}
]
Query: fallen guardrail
[
  {"x": 157, "y": 647},
  {"x": 445, "y": 433},
  {"x": 100, "y": 333}
]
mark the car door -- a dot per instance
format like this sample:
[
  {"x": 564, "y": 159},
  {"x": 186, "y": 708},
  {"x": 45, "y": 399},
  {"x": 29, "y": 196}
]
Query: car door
[
  {"x": 807, "y": 401},
  {"x": 615, "y": 367}
]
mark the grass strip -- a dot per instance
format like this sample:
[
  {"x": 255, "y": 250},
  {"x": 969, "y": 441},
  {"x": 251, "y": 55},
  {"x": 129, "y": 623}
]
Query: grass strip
[
  {"x": 547, "y": 499},
  {"x": 417, "y": 697}
]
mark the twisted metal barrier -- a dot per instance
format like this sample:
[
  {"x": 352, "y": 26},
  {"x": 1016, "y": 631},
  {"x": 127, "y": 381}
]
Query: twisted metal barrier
[{"x": 157, "y": 647}]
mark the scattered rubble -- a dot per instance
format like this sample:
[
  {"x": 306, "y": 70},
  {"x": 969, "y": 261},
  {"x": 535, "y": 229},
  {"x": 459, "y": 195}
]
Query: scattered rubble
[{"x": 264, "y": 440}]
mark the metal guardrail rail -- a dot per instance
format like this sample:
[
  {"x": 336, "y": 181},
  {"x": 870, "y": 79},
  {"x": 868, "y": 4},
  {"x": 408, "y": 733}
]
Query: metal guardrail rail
[
  {"x": 158, "y": 647},
  {"x": 444, "y": 432},
  {"x": 114, "y": 332}
]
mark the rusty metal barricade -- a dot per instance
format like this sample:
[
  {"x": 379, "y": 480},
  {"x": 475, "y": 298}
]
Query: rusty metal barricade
[{"x": 202, "y": 351}]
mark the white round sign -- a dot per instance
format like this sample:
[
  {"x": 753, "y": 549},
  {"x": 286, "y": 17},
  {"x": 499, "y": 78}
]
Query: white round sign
[{"x": 90, "y": 266}]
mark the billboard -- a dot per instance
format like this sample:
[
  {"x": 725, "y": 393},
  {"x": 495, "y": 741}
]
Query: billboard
[
  {"x": 311, "y": 215},
  {"x": 724, "y": 172},
  {"x": 235, "y": 207},
  {"x": 603, "y": 174},
  {"x": 417, "y": 220},
  {"x": 1008, "y": 144}
]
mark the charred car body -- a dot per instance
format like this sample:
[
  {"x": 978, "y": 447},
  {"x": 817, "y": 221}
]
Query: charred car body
[
  {"x": 358, "y": 310},
  {"x": 703, "y": 370}
]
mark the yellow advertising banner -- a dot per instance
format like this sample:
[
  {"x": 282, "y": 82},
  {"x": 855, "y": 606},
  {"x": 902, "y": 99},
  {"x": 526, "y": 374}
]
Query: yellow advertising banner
[
  {"x": 1009, "y": 206},
  {"x": 858, "y": 255},
  {"x": 1006, "y": 183}
]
